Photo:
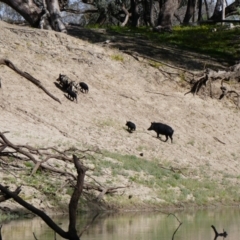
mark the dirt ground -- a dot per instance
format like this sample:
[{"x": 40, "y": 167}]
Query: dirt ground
[{"x": 121, "y": 88}]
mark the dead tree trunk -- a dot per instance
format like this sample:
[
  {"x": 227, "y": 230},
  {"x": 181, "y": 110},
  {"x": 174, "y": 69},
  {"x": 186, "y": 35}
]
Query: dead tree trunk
[
  {"x": 127, "y": 15},
  {"x": 81, "y": 170},
  {"x": 212, "y": 81},
  {"x": 189, "y": 11},
  {"x": 71, "y": 234},
  {"x": 207, "y": 9},
  {"x": 166, "y": 14}
]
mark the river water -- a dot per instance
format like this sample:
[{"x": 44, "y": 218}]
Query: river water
[{"x": 196, "y": 225}]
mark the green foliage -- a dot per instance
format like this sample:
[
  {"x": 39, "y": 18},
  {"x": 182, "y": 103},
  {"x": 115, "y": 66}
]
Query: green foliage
[
  {"x": 222, "y": 44},
  {"x": 43, "y": 182},
  {"x": 28, "y": 164},
  {"x": 117, "y": 57},
  {"x": 7, "y": 216},
  {"x": 172, "y": 187}
]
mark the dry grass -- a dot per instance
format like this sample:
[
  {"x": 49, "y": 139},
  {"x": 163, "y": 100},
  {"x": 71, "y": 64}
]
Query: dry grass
[{"x": 119, "y": 91}]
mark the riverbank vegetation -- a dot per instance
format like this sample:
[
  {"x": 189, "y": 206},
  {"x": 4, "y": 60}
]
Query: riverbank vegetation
[{"x": 217, "y": 41}]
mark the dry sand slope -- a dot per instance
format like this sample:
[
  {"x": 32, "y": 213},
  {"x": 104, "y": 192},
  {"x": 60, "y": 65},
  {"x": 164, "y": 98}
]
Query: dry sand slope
[{"x": 120, "y": 90}]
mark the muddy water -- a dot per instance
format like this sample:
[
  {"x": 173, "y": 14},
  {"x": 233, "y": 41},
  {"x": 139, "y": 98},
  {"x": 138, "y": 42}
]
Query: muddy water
[{"x": 196, "y": 225}]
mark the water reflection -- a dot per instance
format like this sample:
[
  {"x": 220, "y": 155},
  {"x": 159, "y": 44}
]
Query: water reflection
[
  {"x": 217, "y": 234},
  {"x": 134, "y": 225}
]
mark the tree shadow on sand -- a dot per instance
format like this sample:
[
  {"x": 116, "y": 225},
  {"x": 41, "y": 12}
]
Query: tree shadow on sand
[{"x": 144, "y": 47}]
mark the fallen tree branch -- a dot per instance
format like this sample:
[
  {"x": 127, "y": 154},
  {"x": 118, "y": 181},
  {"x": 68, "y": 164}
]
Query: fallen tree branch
[
  {"x": 198, "y": 84},
  {"x": 88, "y": 186},
  {"x": 26, "y": 75},
  {"x": 101, "y": 194},
  {"x": 31, "y": 153},
  {"x": 34, "y": 154},
  {"x": 172, "y": 169},
  {"x": 209, "y": 80},
  {"x": 5, "y": 197},
  {"x": 160, "y": 94},
  {"x": 219, "y": 140}
]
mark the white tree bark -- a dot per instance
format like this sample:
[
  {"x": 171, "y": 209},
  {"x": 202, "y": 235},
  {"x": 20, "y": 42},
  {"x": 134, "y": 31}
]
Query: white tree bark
[
  {"x": 49, "y": 17},
  {"x": 55, "y": 15}
]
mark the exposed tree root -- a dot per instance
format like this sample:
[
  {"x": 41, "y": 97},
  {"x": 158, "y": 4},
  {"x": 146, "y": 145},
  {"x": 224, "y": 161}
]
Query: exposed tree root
[
  {"x": 212, "y": 81},
  {"x": 198, "y": 84}
]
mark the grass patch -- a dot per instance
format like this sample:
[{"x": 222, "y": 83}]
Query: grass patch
[
  {"x": 172, "y": 187},
  {"x": 222, "y": 44},
  {"x": 29, "y": 164},
  {"x": 5, "y": 217},
  {"x": 117, "y": 57},
  {"x": 44, "y": 183},
  {"x": 155, "y": 64}
]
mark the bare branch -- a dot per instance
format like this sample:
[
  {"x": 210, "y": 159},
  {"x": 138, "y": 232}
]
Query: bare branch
[
  {"x": 27, "y": 76},
  {"x": 198, "y": 84},
  {"x": 219, "y": 140},
  {"x": 6, "y": 197},
  {"x": 127, "y": 16}
]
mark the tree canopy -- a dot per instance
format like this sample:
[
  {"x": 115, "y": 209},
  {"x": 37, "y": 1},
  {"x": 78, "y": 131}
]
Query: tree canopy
[{"x": 161, "y": 15}]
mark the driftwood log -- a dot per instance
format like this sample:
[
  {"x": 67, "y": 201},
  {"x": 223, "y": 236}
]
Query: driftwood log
[
  {"x": 218, "y": 84},
  {"x": 26, "y": 75}
]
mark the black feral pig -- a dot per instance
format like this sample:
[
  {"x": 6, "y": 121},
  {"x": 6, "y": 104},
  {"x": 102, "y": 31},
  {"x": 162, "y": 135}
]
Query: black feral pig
[
  {"x": 131, "y": 126},
  {"x": 83, "y": 87},
  {"x": 71, "y": 94},
  {"x": 63, "y": 80},
  {"x": 162, "y": 129}
]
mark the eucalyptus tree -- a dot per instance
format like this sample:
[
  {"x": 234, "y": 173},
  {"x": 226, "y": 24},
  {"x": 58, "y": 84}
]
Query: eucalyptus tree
[
  {"x": 232, "y": 9},
  {"x": 40, "y": 13},
  {"x": 166, "y": 14}
]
